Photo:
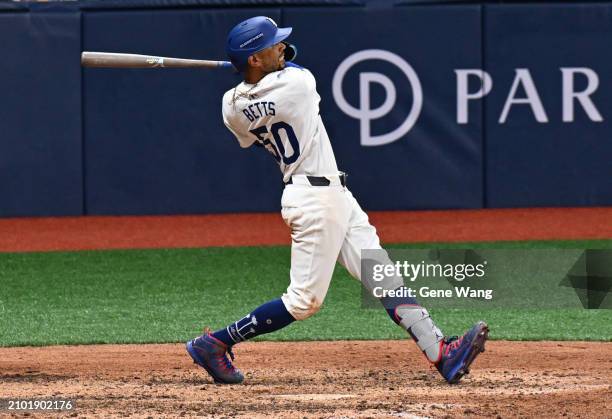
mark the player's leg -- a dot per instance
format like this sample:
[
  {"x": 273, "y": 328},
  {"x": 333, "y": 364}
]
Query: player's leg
[
  {"x": 318, "y": 226},
  {"x": 318, "y": 220},
  {"x": 452, "y": 355},
  {"x": 404, "y": 311},
  {"x": 210, "y": 350}
]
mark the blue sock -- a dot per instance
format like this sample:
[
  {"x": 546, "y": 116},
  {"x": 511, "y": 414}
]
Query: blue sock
[
  {"x": 266, "y": 318},
  {"x": 391, "y": 303}
]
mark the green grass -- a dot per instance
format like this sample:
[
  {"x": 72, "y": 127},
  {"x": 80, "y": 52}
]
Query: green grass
[{"x": 166, "y": 295}]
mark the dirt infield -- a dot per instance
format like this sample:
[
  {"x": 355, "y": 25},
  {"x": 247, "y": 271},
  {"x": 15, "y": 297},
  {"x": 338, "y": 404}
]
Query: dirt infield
[
  {"x": 317, "y": 379},
  {"x": 81, "y": 233}
]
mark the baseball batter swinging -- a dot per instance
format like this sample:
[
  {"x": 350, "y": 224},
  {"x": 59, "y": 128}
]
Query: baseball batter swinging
[{"x": 276, "y": 107}]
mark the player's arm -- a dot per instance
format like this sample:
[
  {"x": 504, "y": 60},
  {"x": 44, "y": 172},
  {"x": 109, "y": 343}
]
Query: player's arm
[
  {"x": 301, "y": 87},
  {"x": 230, "y": 120}
]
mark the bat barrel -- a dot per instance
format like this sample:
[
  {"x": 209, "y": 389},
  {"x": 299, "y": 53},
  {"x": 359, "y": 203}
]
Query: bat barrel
[{"x": 121, "y": 60}]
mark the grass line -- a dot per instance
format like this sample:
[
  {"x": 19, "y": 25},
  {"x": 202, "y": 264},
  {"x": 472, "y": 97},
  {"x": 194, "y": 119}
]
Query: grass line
[{"x": 169, "y": 295}]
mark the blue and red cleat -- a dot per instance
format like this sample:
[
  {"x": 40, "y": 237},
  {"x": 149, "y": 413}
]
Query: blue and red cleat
[
  {"x": 459, "y": 353},
  {"x": 211, "y": 354}
]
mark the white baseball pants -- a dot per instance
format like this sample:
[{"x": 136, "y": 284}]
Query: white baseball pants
[{"x": 327, "y": 225}]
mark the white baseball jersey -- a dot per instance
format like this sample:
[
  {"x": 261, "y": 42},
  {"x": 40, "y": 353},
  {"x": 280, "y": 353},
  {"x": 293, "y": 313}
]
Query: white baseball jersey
[{"x": 281, "y": 113}]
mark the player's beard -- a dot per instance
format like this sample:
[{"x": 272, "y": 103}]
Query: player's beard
[{"x": 280, "y": 65}]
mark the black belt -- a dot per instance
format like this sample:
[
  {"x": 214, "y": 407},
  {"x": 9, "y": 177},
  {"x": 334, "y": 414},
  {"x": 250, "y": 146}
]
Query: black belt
[{"x": 321, "y": 180}]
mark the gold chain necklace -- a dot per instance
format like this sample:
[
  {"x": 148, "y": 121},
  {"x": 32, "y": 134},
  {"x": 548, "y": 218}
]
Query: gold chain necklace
[{"x": 246, "y": 94}]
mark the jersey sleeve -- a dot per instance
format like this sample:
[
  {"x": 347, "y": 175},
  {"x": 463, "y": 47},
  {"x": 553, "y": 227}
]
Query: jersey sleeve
[
  {"x": 301, "y": 82},
  {"x": 232, "y": 122}
]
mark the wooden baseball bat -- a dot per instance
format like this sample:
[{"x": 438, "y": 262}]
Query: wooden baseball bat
[{"x": 119, "y": 60}]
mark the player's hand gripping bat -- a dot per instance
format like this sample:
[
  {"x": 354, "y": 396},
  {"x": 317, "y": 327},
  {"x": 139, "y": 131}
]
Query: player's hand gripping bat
[{"x": 118, "y": 60}]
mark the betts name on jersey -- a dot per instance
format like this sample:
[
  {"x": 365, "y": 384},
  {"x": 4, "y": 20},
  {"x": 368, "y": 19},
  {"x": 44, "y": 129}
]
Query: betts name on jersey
[{"x": 281, "y": 114}]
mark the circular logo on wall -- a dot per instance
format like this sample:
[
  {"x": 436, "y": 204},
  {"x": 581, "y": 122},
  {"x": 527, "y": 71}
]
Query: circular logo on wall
[{"x": 364, "y": 113}]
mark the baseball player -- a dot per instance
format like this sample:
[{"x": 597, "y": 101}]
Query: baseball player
[{"x": 276, "y": 107}]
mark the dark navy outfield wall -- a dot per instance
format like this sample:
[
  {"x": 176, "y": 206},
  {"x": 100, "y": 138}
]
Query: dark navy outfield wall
[
  {"x": 40, "y": 114},
  {"x": 559, "y": 160},
  {"x": 154, "y": 140},
  {"x": 427, "y": 106}
]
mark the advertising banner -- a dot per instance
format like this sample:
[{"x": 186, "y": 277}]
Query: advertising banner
[
  {"x": 549, "y": 105},
  {"x": 388, "y": 86}
]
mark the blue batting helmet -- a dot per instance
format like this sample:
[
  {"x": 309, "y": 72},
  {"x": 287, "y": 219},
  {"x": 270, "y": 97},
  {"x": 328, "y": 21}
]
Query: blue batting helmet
[{"x": 251, "y": 36}]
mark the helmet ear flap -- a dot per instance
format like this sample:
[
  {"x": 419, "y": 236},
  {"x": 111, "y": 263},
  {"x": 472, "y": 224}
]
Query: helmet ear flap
[{"x": 290, "y": 51}]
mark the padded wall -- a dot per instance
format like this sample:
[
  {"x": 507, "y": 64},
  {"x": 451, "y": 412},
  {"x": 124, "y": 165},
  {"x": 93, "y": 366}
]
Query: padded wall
[
  {"x": 553, "y": 161},
  {"x": 40, "y": 114},
  {"x": 155, "y": 142},
  {"x": 427, "y": 106}
]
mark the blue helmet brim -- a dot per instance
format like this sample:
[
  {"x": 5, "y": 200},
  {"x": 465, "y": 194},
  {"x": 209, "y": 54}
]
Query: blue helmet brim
[{"x": 281, "y": 34}]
